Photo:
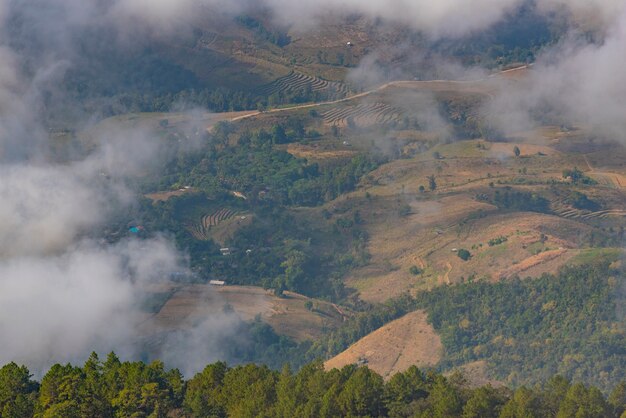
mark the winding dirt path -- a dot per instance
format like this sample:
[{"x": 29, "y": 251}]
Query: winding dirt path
[{"x": 618, "y": 180}]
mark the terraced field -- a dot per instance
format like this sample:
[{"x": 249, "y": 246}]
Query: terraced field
[
  {"x": 566, "y": 211},
  {"x": 200, "y": 230},
  {"x": 207, "y": 40},
  {"x": 296, "y": 81},
  {"x": 363, "y": 114},
  {"x": 562, "y": 209}
]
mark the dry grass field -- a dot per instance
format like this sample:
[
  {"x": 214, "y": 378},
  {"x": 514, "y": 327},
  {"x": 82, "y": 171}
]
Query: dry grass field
[
  {"x": 165, "y": 196},
  {"x": 395, "y": 347}
]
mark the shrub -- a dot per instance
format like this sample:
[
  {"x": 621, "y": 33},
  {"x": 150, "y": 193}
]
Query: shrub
[
  {"x": 581, "y": 201},
  {"x": 497, "y": 241},
  {"x": 464, "y": 254},
  {"x": 415, "y": 271}
]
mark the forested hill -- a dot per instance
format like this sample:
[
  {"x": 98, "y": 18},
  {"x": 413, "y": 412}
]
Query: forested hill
[{"x": 116, "y": 389}]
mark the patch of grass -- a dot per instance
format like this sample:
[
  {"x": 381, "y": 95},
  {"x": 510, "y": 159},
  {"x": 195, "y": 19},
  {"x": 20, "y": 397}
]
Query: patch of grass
[
  {"x": 494, "y": 252},
  {"x": 536, "y": 248},
  {"x": 463, "y": 149},
  {"x": 597, "y": 255}
]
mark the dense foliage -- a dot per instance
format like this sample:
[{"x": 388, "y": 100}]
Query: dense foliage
[
  {"x": 576, "y": 176},
  {"x": 253, "y": 163},
  {"x": 516, "y": 39},
  {"x": 273, "y": 35},
  {"x": 135, "y": 389},
  {"x": 520, "y": 201},
  {"x": 277, "y": 250},
  {"x": 532, "y": 329}
]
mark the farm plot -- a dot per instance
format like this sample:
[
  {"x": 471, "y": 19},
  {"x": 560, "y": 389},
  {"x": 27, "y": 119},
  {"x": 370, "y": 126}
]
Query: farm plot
[
  {"x": 363, "y": 114},
  {"x": 296, "y": 81},
  {"x": 200, "y": 230}
]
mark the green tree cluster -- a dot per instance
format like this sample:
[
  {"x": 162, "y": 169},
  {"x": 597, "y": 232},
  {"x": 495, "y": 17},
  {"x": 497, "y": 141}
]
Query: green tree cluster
[
  {"x": 529, "y": 330},
  {"x": 521, "y": 201},
  {"x": 134, "y": 389}
]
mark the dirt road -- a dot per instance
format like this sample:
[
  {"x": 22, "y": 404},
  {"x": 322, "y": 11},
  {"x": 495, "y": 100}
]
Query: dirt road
[
  {"x": 618, "y": 180},
  {"x": 409, "y": 83}
]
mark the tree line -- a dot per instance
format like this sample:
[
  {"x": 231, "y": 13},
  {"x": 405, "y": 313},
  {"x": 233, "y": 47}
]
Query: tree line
[{"x": 113, "y": 388}]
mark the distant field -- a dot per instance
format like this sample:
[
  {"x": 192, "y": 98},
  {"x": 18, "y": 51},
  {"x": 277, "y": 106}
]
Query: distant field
[
  {"x": 165, "y": 196},
  {"x": 320, "y": 153},
  {"x": 189, "y": 304}
]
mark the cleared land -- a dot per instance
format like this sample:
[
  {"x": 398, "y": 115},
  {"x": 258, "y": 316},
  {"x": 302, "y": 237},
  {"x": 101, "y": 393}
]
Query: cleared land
[
  {"x": 405, "y": 342},
  {"x": 189, "y": 304},
  {"x": 319, "y": 152},
  {"x": 409, "y": 225}
]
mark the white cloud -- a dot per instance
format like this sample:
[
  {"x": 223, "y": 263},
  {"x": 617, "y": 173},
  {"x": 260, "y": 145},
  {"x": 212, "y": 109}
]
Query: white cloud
[
  {"x": 580, "y": 82},
  {"x": 61, "y": 307}
]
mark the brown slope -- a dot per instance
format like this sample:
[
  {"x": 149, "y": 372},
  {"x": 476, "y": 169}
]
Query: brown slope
[{"x": 405, "y": 342}]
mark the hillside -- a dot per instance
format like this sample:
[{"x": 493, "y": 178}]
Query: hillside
[
  {"x": 413, "y": 199},
  {"x": 394, "y": 348},
  {"x": 422, "y": 190}
]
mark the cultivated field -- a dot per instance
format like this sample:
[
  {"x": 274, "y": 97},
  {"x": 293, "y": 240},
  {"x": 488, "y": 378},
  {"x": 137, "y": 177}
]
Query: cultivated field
[
  {"x": 415, "y": 234},
  {"x": 363, "y": 115},
  {"x": 297, "y": 81},
  {"x": 165, "y": 196},
  {"x": 201, "y": 230}
]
